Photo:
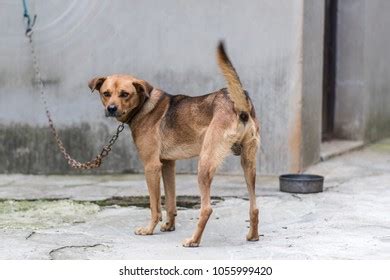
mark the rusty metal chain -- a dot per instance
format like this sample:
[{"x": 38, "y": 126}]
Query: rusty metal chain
[{"x": 94, "y": 163}]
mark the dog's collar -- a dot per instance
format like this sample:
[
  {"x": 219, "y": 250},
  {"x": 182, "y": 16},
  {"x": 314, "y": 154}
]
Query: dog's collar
[{"x": 136, "y": 110}]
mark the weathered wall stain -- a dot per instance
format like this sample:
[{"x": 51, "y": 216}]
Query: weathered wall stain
[{"x": 32, "y": 150}]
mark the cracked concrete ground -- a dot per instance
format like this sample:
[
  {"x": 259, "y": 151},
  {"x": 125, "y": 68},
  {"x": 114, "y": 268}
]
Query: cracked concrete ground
[{"x": 57, "y": 217}]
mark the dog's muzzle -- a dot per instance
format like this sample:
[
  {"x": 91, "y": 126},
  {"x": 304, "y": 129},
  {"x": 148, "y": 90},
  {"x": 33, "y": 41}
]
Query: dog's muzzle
[{"x": 111, "y": 111}]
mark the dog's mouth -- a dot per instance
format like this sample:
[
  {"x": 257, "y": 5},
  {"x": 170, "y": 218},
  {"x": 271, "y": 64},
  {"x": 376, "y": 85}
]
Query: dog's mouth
[{"x": 115, "y": 114}]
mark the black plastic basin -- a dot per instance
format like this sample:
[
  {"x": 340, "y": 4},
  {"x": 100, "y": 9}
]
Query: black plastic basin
[{"x": 301, "y": 183}]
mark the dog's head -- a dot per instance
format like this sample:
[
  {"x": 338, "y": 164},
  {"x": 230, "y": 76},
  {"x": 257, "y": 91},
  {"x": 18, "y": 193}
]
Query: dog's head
[{"x": 121, "y": 94}]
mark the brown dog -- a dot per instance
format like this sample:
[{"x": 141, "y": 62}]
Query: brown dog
[{"x": 168, "y": 127}]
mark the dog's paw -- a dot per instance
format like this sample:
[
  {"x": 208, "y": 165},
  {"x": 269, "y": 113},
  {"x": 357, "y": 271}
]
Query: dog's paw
[
  {"x": 190, "y": 243},
  {"x": 143, "y": 231},
  {"x": 252, "y": 237},
  {"x": 167, "y": 227}
]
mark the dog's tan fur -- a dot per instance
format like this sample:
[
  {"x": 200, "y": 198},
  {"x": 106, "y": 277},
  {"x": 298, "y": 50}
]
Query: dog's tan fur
[{"x": 167, "y": 127}]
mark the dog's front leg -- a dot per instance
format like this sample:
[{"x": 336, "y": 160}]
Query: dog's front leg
[
  {"x": 152, "y": 174},
  {"x": 168, "y": 174}
]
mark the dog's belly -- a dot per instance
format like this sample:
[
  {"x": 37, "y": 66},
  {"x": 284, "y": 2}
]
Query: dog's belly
[{"x": 181, "y": 151}]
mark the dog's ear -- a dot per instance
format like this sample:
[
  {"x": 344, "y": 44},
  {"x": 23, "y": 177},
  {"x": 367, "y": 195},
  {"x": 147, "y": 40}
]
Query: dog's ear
[
  {"x": 143, "y": 87},
  {"x": 96, "y": 83}
]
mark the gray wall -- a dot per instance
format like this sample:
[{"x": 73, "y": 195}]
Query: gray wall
[
  {"x": 172, "y": 45},
  {"x": 312, "y": 69},
  {"x": 363, "y": 71},
  {"x": 377, "y": 69}
]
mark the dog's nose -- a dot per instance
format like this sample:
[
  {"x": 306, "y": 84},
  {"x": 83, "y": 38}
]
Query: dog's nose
[{"x": 112, "y": 109}]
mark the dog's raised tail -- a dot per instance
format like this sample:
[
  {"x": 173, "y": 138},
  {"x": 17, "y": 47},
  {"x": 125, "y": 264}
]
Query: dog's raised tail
[{"x": 234, "y": 86}]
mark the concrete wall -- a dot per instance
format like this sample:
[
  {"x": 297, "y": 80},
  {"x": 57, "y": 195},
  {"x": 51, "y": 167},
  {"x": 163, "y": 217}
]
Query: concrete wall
[
  {"x": 363, "y": 71},
  {"x": 377, "y": 69},
  {"x": 172, "y": 45},
  {"x": 312, "y": 73}
]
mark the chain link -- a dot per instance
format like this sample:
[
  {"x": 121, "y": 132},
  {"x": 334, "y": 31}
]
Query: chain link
[{"x": 94, "y": 163}]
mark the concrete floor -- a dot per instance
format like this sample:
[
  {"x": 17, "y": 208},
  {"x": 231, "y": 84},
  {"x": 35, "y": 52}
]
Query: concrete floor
[{"x": 56, "y": 217}]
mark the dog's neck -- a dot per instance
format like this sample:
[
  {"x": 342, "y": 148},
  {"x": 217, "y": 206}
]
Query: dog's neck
[
  {"x": 134, "y": 112},
  {"x": 146, "y": 106}
]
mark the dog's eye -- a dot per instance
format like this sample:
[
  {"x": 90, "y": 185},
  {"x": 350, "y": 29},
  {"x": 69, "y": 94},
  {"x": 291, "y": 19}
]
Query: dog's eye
[
  {"x": 124, "y": 94},
  {"x": 106, "y": 94}
]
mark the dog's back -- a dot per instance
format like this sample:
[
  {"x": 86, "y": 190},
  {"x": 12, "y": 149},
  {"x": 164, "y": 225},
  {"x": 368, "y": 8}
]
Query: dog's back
[{"x": 187, "y": 118}]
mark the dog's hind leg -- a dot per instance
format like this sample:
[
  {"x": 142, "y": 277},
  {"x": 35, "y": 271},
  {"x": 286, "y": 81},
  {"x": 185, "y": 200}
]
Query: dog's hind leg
[
  {"x": 248, "y": 163},
  {"x": 168, "y": 174},
  {"x": 215, "y": 147}
]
